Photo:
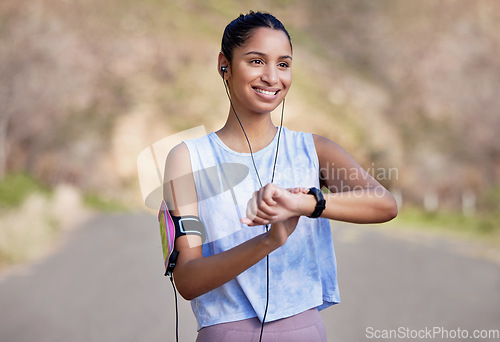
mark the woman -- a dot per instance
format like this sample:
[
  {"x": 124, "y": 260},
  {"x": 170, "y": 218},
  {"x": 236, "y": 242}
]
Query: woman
[{"x": 268, "y": 257}]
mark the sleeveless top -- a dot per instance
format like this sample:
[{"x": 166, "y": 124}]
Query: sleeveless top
[{"x": 303, "y": 272}]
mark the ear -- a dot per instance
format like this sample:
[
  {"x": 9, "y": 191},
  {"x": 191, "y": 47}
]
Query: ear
[{"x": 223, "y": 62}]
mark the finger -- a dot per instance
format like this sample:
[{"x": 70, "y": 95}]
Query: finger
[
  {"x": 268, "y": 192},
  {"x": 265, "y": 198},
  {"x": 298, "y": 190},
  {"x": 264, "y": 208},
  {"x": 246, "y": 221},
  {"x": 266, "y": 216},
  {"x": 256, "y": 222},
  {"x": 260, "y": 221},
  {"x": 265, "y": 211},
  {"x": 251, "y": 211}
]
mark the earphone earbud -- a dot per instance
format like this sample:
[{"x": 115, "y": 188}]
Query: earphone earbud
[{"x": 223, "y": 69}]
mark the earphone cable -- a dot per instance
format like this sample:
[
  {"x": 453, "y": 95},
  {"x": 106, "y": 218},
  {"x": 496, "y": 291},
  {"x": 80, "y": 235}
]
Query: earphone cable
[
  {"x": 278, "y": 142},
  {"x": 258, "y": 177},
  {"x": 176, "y": 310},
  {"x": 267, "y": 256},
  {"x": 246, "y": 137}
]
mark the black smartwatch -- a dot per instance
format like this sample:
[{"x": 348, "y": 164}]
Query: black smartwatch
[{"x": 320, "y": 202}]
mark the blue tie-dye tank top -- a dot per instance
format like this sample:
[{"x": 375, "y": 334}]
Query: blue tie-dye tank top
[{"x": 303, "y": 272}]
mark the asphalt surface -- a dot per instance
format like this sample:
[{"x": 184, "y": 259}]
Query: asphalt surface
[{"x": 105, "y": 283}]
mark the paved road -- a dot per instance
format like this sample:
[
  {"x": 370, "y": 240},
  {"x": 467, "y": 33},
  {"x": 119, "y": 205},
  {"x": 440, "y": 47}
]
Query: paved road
[{"x": 106, "y": 284}]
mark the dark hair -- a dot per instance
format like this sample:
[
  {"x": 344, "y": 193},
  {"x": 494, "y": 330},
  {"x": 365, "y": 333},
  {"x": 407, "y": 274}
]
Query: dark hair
[{"x": 240, "y": 29}]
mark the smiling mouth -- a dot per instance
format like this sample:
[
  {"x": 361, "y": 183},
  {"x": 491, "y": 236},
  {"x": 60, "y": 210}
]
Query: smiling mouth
[{"x": 265, "y": 92}]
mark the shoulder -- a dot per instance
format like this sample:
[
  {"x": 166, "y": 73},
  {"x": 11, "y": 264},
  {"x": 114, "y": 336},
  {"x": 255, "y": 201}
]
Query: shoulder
[
  {"x": 178, "y": 161},
  {"x": 311, "y": 142},
  {"x": 297, "y": 136},
  {"x": 323, "y": 144},
  {"x": 178, "y": 184},
  {"x": 329, "y": 151},
  {"x": 179, "y": 152},
  {"x": 332, "y": 154}
]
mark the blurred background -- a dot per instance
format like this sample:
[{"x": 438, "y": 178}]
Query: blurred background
[{"x": 409, "y": 88}]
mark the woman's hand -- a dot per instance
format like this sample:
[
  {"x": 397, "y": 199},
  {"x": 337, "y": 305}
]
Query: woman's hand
[
  {"x": 280, "y": 207},
  {"x": 280, "y": 231},
  {"x": 272, "y": 204}
]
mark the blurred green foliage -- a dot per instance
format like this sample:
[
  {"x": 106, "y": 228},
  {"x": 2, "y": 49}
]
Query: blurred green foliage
[
  {"x": 490, "y": 201},
  {"x": 101, "y": 203},
  {"x": 480, "y": 226},
  {"x": 16, "y": 187}
]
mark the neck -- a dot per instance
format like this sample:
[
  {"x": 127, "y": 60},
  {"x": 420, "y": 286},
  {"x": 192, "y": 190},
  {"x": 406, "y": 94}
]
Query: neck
[{"x": 259, "y": 129}]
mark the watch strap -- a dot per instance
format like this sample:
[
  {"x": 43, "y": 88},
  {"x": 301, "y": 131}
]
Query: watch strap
[{"x": 320, "y": 202}]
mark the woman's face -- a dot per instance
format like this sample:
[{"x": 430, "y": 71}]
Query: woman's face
[{"x": 261, "y": 71}]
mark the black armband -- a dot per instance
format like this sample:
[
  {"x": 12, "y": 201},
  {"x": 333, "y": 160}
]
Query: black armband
[
  {"x": 171, "y": 227},
  {"x": 189, "y": 225}
]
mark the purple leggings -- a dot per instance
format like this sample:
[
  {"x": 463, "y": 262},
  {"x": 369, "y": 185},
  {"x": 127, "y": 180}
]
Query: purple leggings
[{"x": 304, "y": 327}]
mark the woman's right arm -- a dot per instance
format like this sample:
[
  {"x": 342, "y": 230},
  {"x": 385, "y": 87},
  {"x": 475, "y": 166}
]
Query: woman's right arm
[{"x": 194, "y": 274}]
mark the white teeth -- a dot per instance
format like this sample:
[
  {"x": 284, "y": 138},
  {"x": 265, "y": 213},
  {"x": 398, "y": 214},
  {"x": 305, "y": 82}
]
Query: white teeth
[{"x": 265, "y": 92}]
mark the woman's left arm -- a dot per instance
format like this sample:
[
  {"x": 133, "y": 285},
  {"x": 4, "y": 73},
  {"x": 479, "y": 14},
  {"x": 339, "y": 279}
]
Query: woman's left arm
[{"x": 354, "y": 195}]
